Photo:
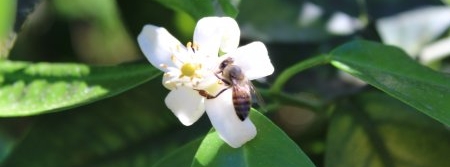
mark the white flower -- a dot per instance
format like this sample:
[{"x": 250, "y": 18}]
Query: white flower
[{"x": 191, "y": 68}]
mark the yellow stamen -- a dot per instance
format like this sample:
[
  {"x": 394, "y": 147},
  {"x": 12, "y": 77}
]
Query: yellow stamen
[
  {"x": 189, "y": 45},
  {"x": 188, "y": 69}
]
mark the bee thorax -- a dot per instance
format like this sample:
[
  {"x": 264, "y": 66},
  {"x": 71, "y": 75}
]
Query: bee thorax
[{"x": 233, "y": 73}]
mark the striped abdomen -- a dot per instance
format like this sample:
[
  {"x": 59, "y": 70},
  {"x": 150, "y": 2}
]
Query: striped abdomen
[{"x": 241, "y": 101}]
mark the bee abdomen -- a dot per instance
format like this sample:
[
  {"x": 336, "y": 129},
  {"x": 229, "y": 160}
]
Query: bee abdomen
[{"x": 242, "y": 106}]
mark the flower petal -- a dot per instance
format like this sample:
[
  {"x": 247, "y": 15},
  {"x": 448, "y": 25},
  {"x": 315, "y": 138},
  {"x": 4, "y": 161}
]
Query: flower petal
[
  {"x": 230, "y": 35},
  {"x": 214, "y": 33},
  {"x": 207, "y": 35},
  {"x": 158, "y": 45},
  {"x": 224, "y": 119},
  {"x": 186, "y": 104},
  {"x": 253, "y": 60},
  {"x": 168, "y": 80}
]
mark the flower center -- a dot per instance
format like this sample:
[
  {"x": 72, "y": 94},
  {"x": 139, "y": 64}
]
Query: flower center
[{"x": 188, "y": 69}]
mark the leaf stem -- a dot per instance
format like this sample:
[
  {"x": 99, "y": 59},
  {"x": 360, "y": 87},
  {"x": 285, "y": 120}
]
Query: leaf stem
[
  {"x": 276, "y": 90},
  {"x": 299, "y": 101},
  {"x": 293, "y": 70}
]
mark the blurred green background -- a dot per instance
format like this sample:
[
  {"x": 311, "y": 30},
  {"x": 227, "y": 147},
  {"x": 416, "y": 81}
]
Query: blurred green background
[{"x": 358, "y": 125}]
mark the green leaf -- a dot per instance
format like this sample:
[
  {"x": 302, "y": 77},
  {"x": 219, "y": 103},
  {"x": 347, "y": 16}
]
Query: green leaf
[
  {"x": 374, "y": 129},
  {"x": 180, "y": 157},
  {"x": 132, "y": 129},
  {"x": 30, "y": 89},
  {"x": 12, "y": 17},
  {"x": 271, "y": 147},
  {"x": 7, "y": 15},
  {"x": 228, "y": 8},
  {"x": 103, "y": 10},
  {"x": 446, "y": 2},
  {"x": 195, "y": 8},
  {"x": 391, "y": 70},
  {"x": 198, "y": 9},
  {"x": 7, "y": 11}
]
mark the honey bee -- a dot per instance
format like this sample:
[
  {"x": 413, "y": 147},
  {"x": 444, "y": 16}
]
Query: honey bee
[{"x": 243, "y": 90}]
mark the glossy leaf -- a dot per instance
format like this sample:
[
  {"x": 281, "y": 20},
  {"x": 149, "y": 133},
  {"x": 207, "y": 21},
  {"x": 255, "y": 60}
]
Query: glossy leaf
[
  {"x": 270, "y": 147},
  {"x": 131, "y": 129},
  {"x": 374, "y": 130},
  {"x": 30, "y": 89},
  {"x": 391, "y": 70}
]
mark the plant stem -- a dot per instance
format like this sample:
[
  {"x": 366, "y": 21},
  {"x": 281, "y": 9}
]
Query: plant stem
[
  {"x": 288, "y": 99},
  {"x": 276, "y": 93},
  {"x": 293, "y": 70}
]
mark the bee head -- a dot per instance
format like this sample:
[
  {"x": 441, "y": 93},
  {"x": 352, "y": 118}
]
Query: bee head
[{"x": 225, "y": 63}]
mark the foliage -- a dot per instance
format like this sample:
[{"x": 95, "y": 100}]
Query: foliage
[{"x": 75, "y": 90}]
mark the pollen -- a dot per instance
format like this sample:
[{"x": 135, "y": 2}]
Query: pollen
[{"x": 189, "y": 69}]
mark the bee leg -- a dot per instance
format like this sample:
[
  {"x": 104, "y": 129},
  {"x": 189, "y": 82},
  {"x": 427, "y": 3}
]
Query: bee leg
[
  {"x": 209, "y": 96},
  {"x": 223, "y": 79}
]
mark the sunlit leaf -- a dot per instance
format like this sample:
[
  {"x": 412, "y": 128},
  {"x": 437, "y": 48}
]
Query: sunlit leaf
[
  {"x": 29, "y": 89},
  {"x": 7, "y": 15},
  {"x": 374, "y": 129},
  {"x": 271, "y": 147},
  {"x": 7, "y": 11},
  {"x": 132, "y": 129},
  {"x": 391, "y": 70}
]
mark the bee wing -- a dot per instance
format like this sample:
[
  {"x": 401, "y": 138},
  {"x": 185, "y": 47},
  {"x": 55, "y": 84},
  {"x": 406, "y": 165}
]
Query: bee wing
[{"x": 256, "y": 96}]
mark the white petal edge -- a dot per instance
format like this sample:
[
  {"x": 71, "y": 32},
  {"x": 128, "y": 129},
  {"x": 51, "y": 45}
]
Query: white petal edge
[
  {"x": 224, "y": 119},
  {"x": 230, "y": 35},
  {"x": 157, "y": 44},
  {"x": 214, "y": 33},
  {"x": 253, "y": 59},
  {"x": 207, "y": 35},
  {"x": 166, "y": 82},
  {"x": 186, "y": 104}
]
